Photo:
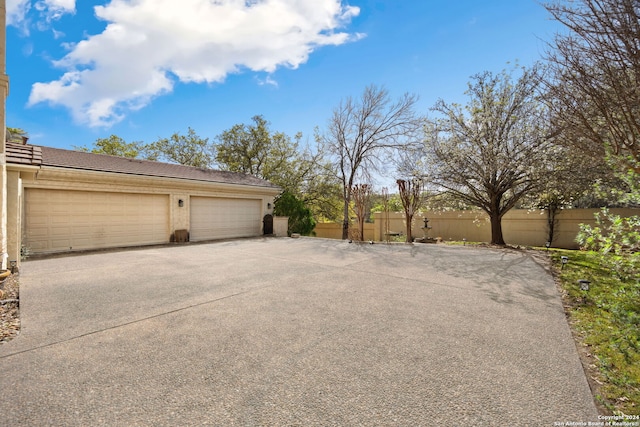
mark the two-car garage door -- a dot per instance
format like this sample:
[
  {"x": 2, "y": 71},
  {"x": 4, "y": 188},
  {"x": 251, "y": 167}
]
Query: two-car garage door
[{"x": 61, "y": 220}]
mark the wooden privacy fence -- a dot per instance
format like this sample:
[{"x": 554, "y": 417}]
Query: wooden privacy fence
[{"x": 519, "y": 227}]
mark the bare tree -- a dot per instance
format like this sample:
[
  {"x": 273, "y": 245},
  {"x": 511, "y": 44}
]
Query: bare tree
[
  {"x": 594, "y": 87},
  {"x": 361, "y": 194},
  {"x": 594, "y": 93},
  {"x": 411, "y": 196},
  {"x": 360, "y": 133},
  {"x": 494, "y": 151}
]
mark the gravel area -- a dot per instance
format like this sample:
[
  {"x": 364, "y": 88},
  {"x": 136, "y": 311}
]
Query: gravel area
[{"x": 9, "y": 308}]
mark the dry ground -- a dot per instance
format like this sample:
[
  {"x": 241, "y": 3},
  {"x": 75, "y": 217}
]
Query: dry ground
[{"x": 9, "y": 308}]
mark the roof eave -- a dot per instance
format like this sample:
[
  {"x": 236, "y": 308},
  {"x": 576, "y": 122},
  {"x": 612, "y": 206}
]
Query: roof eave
[{"x": 58, "y": 173}]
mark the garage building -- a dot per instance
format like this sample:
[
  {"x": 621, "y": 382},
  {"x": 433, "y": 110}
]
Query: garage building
[{"x": 62, "y": 200}]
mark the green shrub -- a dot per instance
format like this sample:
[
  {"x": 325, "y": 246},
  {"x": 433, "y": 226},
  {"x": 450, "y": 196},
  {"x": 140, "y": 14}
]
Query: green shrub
[{"x": 617, "y": 239}]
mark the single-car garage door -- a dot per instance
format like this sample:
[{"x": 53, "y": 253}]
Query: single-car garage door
[
  {"x": 221, "y": 218},
  {"x": 61, "y": 220}
]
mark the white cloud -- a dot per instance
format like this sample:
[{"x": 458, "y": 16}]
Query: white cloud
[
  {"x": 16, "y": 11},
  {"x": 68, "y": 5},
  {"x": 54, "y": 9},
  {"x": 267, "y": 81},
  {"x": 148, "y": 44},
  {"x": 57, "y": 34},
  {"x": 46, "y": 10}
]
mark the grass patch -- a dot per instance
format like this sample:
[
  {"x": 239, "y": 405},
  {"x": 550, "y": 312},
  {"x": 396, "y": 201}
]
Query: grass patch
[
  {"x": 463, "y": 243},
  {"x": 606, "y": 319}
]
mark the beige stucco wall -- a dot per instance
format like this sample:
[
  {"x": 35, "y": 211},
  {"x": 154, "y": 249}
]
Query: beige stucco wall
[
  {"x": 25, "y": 177},
  {"x": 329, "y": 230},
  {"x": 4, "y": 92},
  {"x": 520, "y": 227},
  {"x": 280, "y": 226},
  {"x": 332, "y": 230},
  {"x": 14, "y": 215},
  {"x": 179, "y": 214}
]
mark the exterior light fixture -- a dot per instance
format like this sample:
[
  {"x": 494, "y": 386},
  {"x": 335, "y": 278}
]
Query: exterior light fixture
[
  {"x": 181, "y": 203},
  {"x": 464, "y": 241},
  {"x": 547, "y": 245},
  {"x": 584, "y": 284},
  {"x": 565, "y": 259},
  {"x": 268, "y": 205}
]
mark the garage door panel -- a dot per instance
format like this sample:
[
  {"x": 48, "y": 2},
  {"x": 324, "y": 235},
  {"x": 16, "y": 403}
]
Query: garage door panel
[
  {"x": 61, "y": 220},
  {"x": 38, "y": 234},
  {"x": 58, "y": 243},
  {"x": 60, "y": 231},
  {"x": 220, "y": 218}
]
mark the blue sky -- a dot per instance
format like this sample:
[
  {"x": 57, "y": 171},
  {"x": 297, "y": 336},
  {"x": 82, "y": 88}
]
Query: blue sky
[{"x": 146, "y": 69}]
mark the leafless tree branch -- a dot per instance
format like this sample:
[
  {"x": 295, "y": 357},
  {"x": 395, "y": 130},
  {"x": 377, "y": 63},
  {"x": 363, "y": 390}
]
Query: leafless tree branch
[{"x": 361, "y": 132}]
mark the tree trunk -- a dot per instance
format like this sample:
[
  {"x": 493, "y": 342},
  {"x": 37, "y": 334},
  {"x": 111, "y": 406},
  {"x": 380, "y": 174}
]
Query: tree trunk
[
  {"x": 552, "y": 210},
  {"x": 409, "y": 219},
  {"x": 496, "y": 229},
  {"x": 345, "y": 220}
]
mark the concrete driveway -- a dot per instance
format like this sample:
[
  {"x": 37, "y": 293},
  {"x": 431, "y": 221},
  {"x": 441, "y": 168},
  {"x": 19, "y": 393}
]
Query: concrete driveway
[{"x": 292, "y": 332}]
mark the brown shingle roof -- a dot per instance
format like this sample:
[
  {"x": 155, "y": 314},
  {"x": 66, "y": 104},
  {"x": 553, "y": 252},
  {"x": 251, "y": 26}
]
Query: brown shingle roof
[{"x": 48, "y": 156}]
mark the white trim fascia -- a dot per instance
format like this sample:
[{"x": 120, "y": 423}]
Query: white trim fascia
[{"x": 47, "y": 175}]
